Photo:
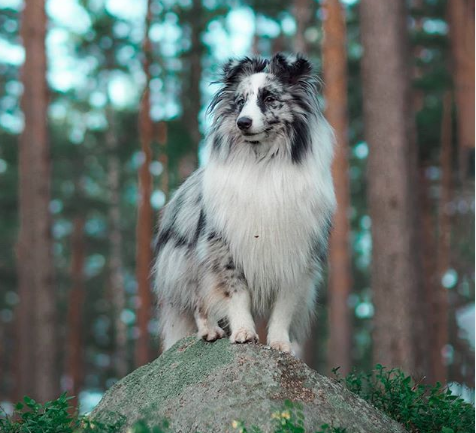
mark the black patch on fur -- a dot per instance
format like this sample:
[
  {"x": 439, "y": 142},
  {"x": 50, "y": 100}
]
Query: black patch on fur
[
  {"x": 234, "y": 70},
  {"x": 290, "y": 72},
  {"x": 180, "y": 241},
  {"x": 230, "y": 266},
  {"x": 301, "y": 140},
  {"x": 167, "y": 234},
  {"x": 214, "y": 237},
  {"x": 263, "y": 93},
  {"x": 163, "y": 237},
  {"x": 303, "y": 102},
  {"x": 202, "y": 221},
  {"x": 216, "y": 142}
]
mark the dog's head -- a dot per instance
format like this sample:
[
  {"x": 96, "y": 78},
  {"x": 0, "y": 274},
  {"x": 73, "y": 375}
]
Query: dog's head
[{"x": 262, "y": 99}]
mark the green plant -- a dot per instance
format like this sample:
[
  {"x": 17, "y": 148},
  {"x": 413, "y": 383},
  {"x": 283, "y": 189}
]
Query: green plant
[
  {"x": 53, "y": 417},
  {"x": 417, "y": 406},
  {"x": 142, "y": 427},
  {"x": 288, "y": 420},
  {"x": 30, "y": 416}
]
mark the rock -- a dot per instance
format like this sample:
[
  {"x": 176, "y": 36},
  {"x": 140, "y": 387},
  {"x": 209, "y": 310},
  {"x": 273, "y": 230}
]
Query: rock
[{"x": 204, "y": 387}]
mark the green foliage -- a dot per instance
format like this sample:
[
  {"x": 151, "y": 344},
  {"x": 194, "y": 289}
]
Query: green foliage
[
  {"x": 31, "y": 416},
  {"x": 53, "y": 417},
  {"x": 418, "y": 407}
]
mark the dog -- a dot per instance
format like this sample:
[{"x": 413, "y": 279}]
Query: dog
[{"x": 247, "y": 234}]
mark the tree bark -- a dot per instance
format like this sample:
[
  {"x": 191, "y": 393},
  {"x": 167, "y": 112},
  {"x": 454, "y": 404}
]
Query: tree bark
[
  {"x": 192, "y": 96},
  {"x": 302, "y": 15},
  {"x": 391, "y": 169},
  {"x": 75, "y": 365},
  {"x": 144, "y": 228},
  {"x": 441, "y": 323},
  {"x": 429, "y": 268},
  {"x": 162, "y": 138},
  {"x": 461, "y": 17},
  {"x": 116, "y": 279},
  {"x": 425, "y": 224},
  {"x": 335, "y": 94},
  {"x": 37, "y": 342}
]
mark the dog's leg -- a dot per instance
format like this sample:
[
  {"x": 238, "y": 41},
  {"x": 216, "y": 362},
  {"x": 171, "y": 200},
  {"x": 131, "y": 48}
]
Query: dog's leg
[
  {"x": 227, "y": 296},
  {"x": 208, "y": 328},
  {"x": 240, "y": 319},
  {"x": 224, "y": 290},
  {"x": 175, "y": 325},
  {"x": 280, "y": 321},
  {"x": 284, "y": 312}
]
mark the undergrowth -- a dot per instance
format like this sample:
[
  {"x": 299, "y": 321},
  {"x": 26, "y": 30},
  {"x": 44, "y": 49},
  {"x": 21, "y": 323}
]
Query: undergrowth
[{"x": 420, "y": 408}]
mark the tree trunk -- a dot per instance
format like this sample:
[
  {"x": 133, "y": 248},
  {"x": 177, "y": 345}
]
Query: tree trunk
[
  {"x": 192, "y": 96},
  {"x": 335, "y": 94},
  {"x": 443, "y": 249},
  {"x": 302, "y": 14},
  {"x": 145, "y": 216},
  {"x": 75, "y": 310},
  {"x": 162, "y": 138},
  {"x": 429, "y": 267},
  {"x": 116, "y": 279},
  {"x": 391, "y": 169},
  {"x": 425, "y": 224},
  {"x": 37, "y": 310},
  {"x": 461, "y": 17}
]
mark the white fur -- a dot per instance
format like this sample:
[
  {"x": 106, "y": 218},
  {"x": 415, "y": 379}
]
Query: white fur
[
  {"x": 269, "y": 213},
  {"x": 251, "y": 109}
]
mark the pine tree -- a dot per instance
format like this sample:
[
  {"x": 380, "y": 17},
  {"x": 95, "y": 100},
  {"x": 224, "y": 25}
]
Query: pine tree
[
  {"x": 144, "y": 228},
  {"x": 391, "y": 168},
  {"x": 335, "y": 94},
  {"x": 36, "y": 315},
  {"x": 75, "y": 341}
]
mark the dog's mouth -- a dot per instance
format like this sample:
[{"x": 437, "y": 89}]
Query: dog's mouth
[{"x": 254, "y": 138}]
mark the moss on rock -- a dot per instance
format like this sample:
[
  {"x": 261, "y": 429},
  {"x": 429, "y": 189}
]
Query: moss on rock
[{"x": 204, "y": 387}]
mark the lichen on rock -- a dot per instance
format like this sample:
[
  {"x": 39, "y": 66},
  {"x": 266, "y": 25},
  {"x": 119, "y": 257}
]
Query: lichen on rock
[{"x": 204, "y": 387}]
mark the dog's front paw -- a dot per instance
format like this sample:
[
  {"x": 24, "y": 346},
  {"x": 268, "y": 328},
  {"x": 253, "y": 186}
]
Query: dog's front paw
[
  {"x": 282, "y": 346},
  {"x": 211, "y": 334},
  {"x": 244, "y": 335}
]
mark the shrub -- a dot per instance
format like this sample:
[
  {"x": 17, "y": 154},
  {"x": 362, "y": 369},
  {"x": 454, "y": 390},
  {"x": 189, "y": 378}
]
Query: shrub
[
  {"x": 418, "y": 407},
  {"x": 52, "y": 417}
]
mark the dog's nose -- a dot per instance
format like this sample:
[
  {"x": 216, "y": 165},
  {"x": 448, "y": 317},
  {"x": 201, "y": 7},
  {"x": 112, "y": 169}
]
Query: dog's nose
[{"x": 244, "y": 123}]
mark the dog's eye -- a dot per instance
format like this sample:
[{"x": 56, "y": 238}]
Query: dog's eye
[
  {"x": 270, "y": 99},
  {"x": 240, "y": 102}
]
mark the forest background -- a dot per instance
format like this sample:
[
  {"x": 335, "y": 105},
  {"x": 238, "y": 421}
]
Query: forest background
[{"x": 102, "y": 116}]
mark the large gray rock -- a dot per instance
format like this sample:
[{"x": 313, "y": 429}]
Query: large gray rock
[{"x": 204, "y": 387}]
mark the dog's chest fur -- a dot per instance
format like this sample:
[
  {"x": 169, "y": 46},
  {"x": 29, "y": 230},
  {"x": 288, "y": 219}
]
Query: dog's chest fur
[{"x": 270, "y": 216}]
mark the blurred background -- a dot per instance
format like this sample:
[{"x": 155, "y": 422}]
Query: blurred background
[{"x": 102, "y": 116}]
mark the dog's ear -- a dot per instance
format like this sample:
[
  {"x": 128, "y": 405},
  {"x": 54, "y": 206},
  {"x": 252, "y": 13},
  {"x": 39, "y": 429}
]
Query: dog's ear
[
  {"x": 230, "y": 70},
  {"x": 233, "y": 69},
  {"x": 291, "y": 70}
]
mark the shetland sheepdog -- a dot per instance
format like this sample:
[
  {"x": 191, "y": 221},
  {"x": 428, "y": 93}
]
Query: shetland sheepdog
[{"x": 247, "y": 234}]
